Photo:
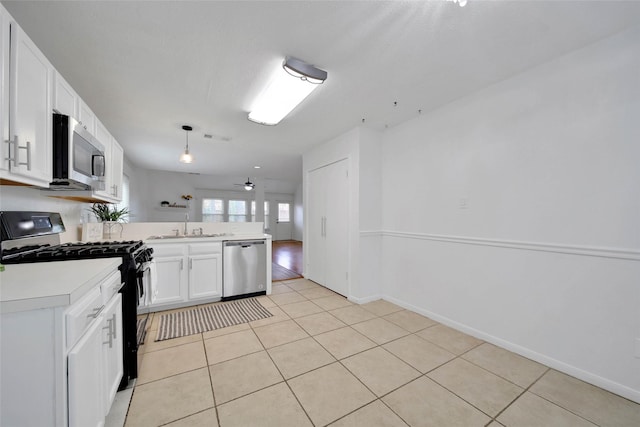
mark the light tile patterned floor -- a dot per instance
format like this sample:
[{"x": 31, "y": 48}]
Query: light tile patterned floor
[{"x": 321, "y": 360}]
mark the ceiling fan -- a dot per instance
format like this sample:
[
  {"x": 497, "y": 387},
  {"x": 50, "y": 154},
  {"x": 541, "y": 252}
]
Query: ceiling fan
[{"x": 248, "y": 185}]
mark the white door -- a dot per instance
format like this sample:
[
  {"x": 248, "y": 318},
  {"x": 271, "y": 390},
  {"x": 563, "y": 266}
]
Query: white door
[
  {"x": 85, "y": 379},
  {"x": 327, "y": 244},
  {"x": 283, "y": 221},
  {"x": 314, "y": 244},
  {"x": 336, "y": 230},
  {"x": 112, "y": 349}
]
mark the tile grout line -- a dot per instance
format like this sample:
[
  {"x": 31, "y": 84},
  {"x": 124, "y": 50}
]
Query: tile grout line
[{"x": 284, "y": 379}]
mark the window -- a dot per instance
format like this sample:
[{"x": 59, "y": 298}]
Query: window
[
  {"x": 237, "y": 211},
  {"x": 212, "y": 210},
  {"x": 283, "y": 212},
  {"x": 266, "y": 213}
]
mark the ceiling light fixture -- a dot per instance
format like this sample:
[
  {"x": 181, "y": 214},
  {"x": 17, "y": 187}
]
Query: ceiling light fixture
[
  {"x": 186, "y": 157},
  {"x": 291, "y": 84},
  {"x": 462, "y": 3},
  {"x": 249, "y": 185}
]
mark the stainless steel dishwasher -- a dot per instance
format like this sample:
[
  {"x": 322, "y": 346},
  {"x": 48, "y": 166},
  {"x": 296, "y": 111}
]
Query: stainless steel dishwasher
[{"x": 244, "y": 268}]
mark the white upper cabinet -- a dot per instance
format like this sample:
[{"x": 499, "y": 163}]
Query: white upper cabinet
[
  {"x": 4, "y": 85},
  {"x": 27, "y": 147},
  {"x": 65, "y": 99},
  {"x": 114, "y": 167},
  {"x": 86, "y": 117},
  {"x": 117, "y": 170},
  {"x": 30, "y": 90}
]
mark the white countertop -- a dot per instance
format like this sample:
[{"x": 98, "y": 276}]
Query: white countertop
[
  {"x": 40, "y": 285},
  {"x": 195, "y": 239}
]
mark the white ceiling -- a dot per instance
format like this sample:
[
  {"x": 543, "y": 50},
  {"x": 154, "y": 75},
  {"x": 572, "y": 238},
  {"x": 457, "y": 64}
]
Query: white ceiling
[{"x": 146, "y": 68}]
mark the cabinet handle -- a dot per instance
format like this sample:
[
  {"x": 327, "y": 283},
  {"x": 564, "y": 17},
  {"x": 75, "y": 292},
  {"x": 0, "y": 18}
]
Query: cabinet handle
[
  {"x": 16, "y": 159},
  {"x": 181, "y": 264},
  {"x": 110, "y": 333},
  {"x": 28, "y": 148},
  {"x": 115, "y": 329},
  {"x": 96, "y": 312},
  {"x": 190, "y": 263},
  {"x": 9, "y": 158}
]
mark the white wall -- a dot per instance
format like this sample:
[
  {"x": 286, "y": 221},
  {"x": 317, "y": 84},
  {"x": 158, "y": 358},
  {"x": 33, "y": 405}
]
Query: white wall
[
  {"x": 370, "y": 215},
  {"x": 523, "y": 226},
  {"x": 298, "y": 214}
]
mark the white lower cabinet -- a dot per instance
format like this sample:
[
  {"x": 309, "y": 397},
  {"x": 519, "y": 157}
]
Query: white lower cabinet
[
  {"x": 186, "y": 272},
  {"x": 170, "y": 279},
  {"x": 95, "y": 366},
  {"x": 112, "y": 342},
  {"x": 61, "y": 366},
  {"x": 86, "y": 404}
]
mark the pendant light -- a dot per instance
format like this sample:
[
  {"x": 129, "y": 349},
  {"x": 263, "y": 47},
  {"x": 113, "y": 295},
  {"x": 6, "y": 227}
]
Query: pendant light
[{"x": 186, "y": 157}]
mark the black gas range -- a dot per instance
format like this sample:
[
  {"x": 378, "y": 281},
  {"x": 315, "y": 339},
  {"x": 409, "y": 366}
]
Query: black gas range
[{"x": 31, "y": 237}]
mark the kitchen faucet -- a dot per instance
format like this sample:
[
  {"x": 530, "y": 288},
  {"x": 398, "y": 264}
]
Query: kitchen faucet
[{"x": 186, "y": 219}]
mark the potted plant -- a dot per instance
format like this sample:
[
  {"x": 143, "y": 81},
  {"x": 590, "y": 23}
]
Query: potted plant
[
  {"x": 110, "y": 216},
  {"x": 107, "y": 212}
]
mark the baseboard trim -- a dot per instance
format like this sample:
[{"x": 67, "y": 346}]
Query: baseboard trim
[
  {"x": 592, "y": 251},
  {"x": 363, "y": 300},
  {"x": 591, "y": 378}
]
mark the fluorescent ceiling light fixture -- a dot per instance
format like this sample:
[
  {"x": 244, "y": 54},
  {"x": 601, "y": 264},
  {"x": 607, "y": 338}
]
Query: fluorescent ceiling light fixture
[
  {"x": 290, "y": 85},
  {"x": 186, "y": 157}
]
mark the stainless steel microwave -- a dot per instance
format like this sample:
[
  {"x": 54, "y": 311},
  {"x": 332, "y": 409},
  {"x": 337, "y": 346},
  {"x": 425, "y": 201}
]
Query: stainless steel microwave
[{"x": 78, "y": 157}]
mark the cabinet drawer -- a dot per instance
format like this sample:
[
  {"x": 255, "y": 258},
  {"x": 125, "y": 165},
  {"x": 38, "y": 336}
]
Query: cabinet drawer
[
  {"x": 111, "y": 286},
  {"x": 82, "y": 314},
  {"x": 168, "y": 250},
  {"x": 205, "y": 248}
]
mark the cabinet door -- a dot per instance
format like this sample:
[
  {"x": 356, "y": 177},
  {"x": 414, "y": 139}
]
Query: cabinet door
[
  {"x": 117, "y": 170},
  {"x": 4, "y": 87},
  {"x": 30, "y": 111},
  {"x": 205, "y": 275},
  {"x": 85, "y": 379},
  {"x": 112, "y": 349},
  {"x": 314, "y": 244},
  {"x": 103, "y": 135},
  {"x": 86, "y": 117},
  {"x": 65, "y": 99},
  {"x": 170, "y": 278}
]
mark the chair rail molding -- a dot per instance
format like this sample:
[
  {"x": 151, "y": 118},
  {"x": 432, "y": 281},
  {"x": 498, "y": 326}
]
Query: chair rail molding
[{"x": 593, "y": 251}]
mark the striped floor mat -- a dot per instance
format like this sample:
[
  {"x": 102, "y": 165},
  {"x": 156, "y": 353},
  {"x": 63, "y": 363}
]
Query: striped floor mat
[
  {"x": 141, "y": 331},
  {"x": 210, "y": 317}
]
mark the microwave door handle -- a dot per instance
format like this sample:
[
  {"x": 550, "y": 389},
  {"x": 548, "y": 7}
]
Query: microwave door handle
[{"x": 98, "y": 165}]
